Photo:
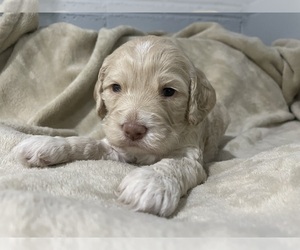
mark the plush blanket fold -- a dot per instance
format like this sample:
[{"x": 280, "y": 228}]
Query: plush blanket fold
[{"x": 46, "y": 87}]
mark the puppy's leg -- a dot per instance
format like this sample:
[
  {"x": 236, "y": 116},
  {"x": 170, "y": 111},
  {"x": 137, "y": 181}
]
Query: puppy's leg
[
  {"x": 157, "y": 188},
  {"x": 42, "y": 151}
]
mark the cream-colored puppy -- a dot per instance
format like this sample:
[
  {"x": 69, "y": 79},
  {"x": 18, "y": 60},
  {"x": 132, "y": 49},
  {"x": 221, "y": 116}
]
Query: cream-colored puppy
[{"x": 158, "y": 112}]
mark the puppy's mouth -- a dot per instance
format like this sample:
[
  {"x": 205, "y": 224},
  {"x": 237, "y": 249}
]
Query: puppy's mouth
[
  {"x": 127, "y": 143},
  {"x": 139, "y": 145}
]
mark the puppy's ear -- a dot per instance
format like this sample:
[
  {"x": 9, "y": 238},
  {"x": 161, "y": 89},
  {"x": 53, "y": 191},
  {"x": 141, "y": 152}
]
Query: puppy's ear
[
  {"x": 202, "y": 98},
  {"x": 100, "y": 106}
]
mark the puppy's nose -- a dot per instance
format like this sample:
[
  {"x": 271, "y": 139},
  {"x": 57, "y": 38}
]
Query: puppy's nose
[{"x": 134, "y": 131}]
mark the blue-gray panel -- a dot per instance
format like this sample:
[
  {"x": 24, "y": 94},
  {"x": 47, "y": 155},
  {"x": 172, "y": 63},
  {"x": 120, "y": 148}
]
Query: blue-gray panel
[
  {"x": 168, "y": 22},
  {"x": 172, "y": 22},
  {"x": 271, "y": 26},
  {"x": 84, "y": 20}
]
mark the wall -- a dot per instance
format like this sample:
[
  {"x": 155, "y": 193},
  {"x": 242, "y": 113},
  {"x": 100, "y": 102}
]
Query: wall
[
  {"x": 144, "y": 5},
  {"x": 146, "y": 15},
  {"x": 266, "y": 19},
  {"x": 272, "y": 19}
]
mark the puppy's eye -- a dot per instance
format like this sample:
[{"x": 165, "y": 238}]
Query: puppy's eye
[
  {"x": 167, "y": 92},
  {"x": 116, "y": 87}
]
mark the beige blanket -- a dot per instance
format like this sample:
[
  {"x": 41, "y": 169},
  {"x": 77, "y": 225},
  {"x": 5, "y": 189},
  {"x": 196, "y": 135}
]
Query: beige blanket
[{"x": 46, "y": 86}]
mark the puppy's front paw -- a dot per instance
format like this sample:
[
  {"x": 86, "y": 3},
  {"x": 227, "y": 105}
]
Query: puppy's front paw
[
  {"x": 146, "y": 190},
  {"x": 41, "y": 151}
]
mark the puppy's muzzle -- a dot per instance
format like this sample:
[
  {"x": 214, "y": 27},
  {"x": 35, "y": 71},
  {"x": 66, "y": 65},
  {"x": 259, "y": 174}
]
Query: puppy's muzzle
[{"x": 134, "y": 131}]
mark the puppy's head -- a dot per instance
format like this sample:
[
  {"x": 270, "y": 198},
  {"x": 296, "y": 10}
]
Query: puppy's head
[{"x": 147, "y": 94}]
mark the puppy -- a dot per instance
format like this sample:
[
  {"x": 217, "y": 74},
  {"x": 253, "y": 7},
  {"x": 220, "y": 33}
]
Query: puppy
[{"x": 159, "y": 112}]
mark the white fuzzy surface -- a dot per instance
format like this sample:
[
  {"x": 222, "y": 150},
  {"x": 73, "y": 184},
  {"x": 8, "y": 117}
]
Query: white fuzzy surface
[{"x": 253, "y": 188}]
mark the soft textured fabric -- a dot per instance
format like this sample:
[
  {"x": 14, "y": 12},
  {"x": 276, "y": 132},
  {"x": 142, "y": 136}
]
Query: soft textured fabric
[{"x": 46, "y": 87}]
